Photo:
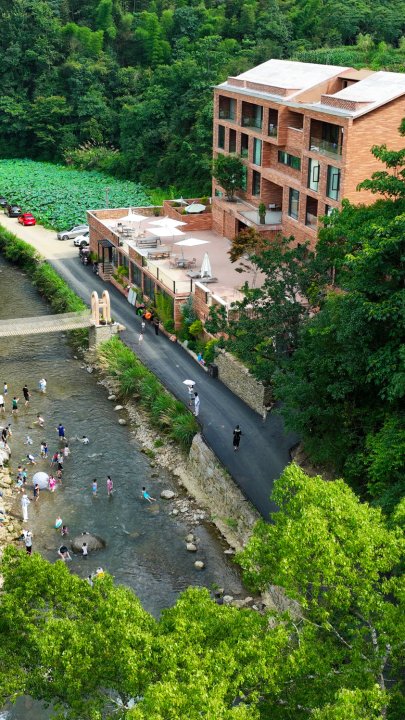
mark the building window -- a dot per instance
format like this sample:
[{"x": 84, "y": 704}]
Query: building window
[
  {"x": 252, "y": 115},
  {"x": 293, "y": 203},
  {"x": 256, "y": 183},
  {"x": 244, "y": 145},
  {"x": 333, "y": 183},
  {"x": 232, "y": 141},
  {"x": 257, "y": 151},
  {"x": 311, "y": 215},
  {"x": 273, "y": 123},
  {"x": 291, "y": 160},
  {"x": 244, "y": 178},
  {"x": 221, "y": 137},
  {"x": 227, "y": 108},
  {"x": 136, "y": 273},
  {"x": 314, "y": 170},
  {"x": 329, "y": 210},
  {"x": 149, "y": 286}
]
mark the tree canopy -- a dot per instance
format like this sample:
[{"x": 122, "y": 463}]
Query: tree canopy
[{"x": 136, "y": 79}]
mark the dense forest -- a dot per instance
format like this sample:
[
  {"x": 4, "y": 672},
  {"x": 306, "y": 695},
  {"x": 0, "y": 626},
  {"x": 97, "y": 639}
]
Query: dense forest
[{"x": 126, "y": 85}]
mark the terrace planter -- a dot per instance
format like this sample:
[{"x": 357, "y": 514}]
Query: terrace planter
[
  {"x": 199, "y": 221},
  {"x": 118, "y": 285}
]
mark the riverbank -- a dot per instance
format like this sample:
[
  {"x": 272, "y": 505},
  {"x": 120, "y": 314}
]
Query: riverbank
[
  {"x": 212, "y": 494},
  {"x": 10, "y": 527}
]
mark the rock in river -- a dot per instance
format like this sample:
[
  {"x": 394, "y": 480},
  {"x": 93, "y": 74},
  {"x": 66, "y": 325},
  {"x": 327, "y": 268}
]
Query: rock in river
[
  {"x": 191, "y": 547},
  {"x": 167, "y": 494},
  {"x": 94, "y": 542},
  {"x": 119, "y": 407},
  {"x": 199, "y": 565}
]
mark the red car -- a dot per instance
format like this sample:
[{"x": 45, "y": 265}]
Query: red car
[{"x": 27, "y": 219}]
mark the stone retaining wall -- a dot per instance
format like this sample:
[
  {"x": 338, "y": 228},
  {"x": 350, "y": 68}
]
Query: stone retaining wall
[
  {"x": 238, "y": 378},
  {"x": 205, "y": 478}
]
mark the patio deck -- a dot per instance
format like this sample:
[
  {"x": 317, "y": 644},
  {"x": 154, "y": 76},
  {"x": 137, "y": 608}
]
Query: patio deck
[{"x": 176, "y": 279}]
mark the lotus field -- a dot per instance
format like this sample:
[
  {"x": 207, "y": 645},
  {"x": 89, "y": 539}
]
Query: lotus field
[{"x": 59, "y": 196}]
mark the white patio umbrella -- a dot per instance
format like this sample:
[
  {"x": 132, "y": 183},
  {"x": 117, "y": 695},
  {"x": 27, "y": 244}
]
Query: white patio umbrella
[
  {"x": 195, "y": 208},
  {"x": 180, "y": 201},
  {"x": 166, "y": 231},
  {"x": 134, "y": 217},
  {"x": 206, "y": 267},
  {"x": 190, "y": 242},
  {"x": 168, "y": 222}
]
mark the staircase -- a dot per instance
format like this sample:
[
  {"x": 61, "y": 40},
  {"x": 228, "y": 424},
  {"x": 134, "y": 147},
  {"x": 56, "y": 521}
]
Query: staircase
[{"x": 106, "y": 272}]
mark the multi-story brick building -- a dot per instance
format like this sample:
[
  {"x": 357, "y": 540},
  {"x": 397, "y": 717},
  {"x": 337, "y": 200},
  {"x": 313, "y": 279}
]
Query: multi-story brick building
[{"x": 304, "y": 132}]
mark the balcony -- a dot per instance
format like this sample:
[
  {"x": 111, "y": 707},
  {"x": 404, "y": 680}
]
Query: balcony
[
  {"x": 225, "y": 114},
  {"x": 325, "y": 147},
  {"x": 311, "y": 221},
  {"x": 251, "y": 122}
]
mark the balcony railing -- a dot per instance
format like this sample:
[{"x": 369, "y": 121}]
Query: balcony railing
[
  {"x": 325, "y": 147},
  {"x": 227, "y": 115},
  {"x": 252, "y": 122},
  {"x": 311, "y": 221}
]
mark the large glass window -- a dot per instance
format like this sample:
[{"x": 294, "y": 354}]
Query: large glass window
[
  {"x": 333, "y": 183},
  {"x": 291, "y": 160},
  {"x": 257, "y": 151},
  {"x": 136, "y": 273},
  {"x": 232, "y": 141},
  {"x": 227, "y": 108},
  {"x": 255, "y": 183},
  {"x": 244, "y": 145},
  {"x": 252, "y": 115},
  {"x": 244, "y": 178},
  {"x": 148, "y": 286},
  {"x": 314, "y": 169},
  {"x": 221, "y": 137},
  {"x": 293, "y": 203}
]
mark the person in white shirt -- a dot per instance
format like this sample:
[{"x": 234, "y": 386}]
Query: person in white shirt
[{"x": 2, "y": 408}]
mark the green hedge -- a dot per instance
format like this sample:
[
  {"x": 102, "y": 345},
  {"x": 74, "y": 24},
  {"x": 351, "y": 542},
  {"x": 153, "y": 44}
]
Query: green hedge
[{"x": 166, "y": 413}]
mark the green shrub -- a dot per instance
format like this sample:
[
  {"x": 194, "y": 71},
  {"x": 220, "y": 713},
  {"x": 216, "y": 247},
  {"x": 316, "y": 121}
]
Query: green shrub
[
  {"x": 209, "y": 351},
  {"x": 196, "y": 328},
  {"x": 192, "y": 345},
  {"x": 184, "y": 428},
  {"x": 166, "y": 413},
  {"x": 169, "y": 326}
]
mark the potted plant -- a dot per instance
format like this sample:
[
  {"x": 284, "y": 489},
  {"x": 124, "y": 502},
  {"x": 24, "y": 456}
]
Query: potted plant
[{"x": 262, "y": 213}]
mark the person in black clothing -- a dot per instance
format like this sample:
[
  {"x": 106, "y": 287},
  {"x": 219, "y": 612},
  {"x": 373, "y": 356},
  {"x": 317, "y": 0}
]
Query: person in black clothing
[
  {"x": 156, "y": 324},
  {"x": 236, "y": 437},
  {"x": 26, "y": 393}
]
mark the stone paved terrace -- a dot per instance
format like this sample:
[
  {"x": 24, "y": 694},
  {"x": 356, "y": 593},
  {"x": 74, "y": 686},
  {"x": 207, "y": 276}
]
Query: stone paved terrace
[{"x": 228, "y": 279}]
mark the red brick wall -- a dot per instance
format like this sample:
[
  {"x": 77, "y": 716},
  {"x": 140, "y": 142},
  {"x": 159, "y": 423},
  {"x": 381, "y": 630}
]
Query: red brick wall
[
  {"x": 374, "y": 128},
  {"x": 198, "y": 221}
]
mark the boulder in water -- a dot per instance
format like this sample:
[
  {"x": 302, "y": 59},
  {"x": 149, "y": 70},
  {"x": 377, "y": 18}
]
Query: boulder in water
[
  {"x": 94, "y": 542},
  {"x": 167, "y": 494}
]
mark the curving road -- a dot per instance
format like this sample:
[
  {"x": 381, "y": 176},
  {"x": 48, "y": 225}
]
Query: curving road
[{"x": 264, "y": 448}]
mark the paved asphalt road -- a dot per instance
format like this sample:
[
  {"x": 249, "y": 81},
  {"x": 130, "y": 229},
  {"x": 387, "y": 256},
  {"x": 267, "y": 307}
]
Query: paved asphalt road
[{"x": 264, "y": 447}]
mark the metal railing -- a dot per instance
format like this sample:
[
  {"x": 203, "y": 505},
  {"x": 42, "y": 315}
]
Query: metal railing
[
  {"x": 325, "y": 147},
  {"x": 227, "y": 115},
  {"x": 252, "y": 122}
]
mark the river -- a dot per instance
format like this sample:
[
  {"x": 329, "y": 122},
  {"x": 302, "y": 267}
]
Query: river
[{"x": 145, "y": 547}]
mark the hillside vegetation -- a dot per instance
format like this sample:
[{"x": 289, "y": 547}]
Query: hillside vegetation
[{"x": 126, "y": 87}]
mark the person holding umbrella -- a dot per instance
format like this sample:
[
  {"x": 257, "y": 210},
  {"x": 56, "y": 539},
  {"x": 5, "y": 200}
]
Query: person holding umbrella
[{"x": 190, "y": 385}]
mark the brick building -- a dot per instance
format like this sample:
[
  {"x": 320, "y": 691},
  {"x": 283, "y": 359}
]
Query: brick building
[{"x": 304, "y": 132}]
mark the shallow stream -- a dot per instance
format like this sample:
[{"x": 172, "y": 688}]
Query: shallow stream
[{"x": 145, "y": 545}]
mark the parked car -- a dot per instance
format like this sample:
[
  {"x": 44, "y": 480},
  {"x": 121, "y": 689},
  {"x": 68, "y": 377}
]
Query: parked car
[
  {"x": 73, "y": 232},
  {"x": 3, "y": 201},
  {"x": 82, "y": 240},
  {"x": 27, "y": 219},
  {"x": 12, "y": 210}
]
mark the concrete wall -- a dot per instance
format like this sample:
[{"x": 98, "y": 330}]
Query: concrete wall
[{"x": 238, "y": 378}]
